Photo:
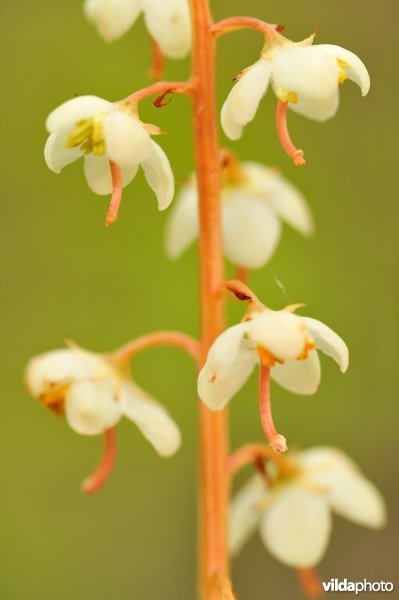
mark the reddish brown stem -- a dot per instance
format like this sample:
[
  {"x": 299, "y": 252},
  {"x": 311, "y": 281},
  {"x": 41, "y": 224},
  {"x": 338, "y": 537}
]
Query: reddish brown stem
[
  {"x": 116, "y": 197},
  {"x": 241, "y": 273},
  {"x": 158, "y": 61},
  {"x": 214, "y": 480},
  {"x": 251, "y": 453},
  {"x": 276, "y": 441},
  {"x": 96, "y": 481},
  {"x": 158, "y": 338},
  {"x": 161, "y": 87},
  {"x": 235, "y": 23},
  {"x": 284, "y": 136},
  {"x": 310, "y": 583}
]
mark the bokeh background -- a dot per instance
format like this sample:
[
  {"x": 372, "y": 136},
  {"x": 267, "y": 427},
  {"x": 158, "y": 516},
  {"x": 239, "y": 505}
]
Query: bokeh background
[{"x": 64, "y": 273}]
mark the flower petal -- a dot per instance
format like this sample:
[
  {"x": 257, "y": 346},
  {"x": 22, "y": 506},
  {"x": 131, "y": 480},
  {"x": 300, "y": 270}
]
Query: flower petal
[
  {"x": 309, "y": 72},
  {"x": 98, "y": 174},
  {"x": 285, "y": 199},
  {"x": 348, "y": 492},
  {"x": 126, "y": 140},
  {"x": 182, "y": 225},
  {"x": 299, "y": 376},
  {"x": 356, "y": 69},
  {"x": 59, "y": 367},
  {"x": 318, "y": 110},
  {"x": 245, "y": 513},
  {"x": 227, "y": 368},
  {"x": 329, "y": 342},
  {"x": 76, "y": 109},
  {"x": 92, "y": 407},
  {"x": 112, "y": 18},
  {"x": 159, "y": 176},
  {"x": 170, "y": 24},
  {"x": 242, "y": 102},
  {"x": 151, "y": 418},
  {"x": 283, "y": 334},
  {"x": 296, "y": 527},
  {"x": 56, "y": 155},
  {"x": 251, "y": 230}
]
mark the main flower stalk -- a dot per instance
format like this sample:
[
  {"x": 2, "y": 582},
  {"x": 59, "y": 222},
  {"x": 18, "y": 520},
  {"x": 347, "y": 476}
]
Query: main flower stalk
[{"x": 214, "y": 482}]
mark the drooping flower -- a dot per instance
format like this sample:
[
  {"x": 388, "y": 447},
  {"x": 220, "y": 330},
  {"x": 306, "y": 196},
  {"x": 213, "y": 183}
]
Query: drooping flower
[
  {"x": 94, "y": 395},
  {"x": 282, "y": 344},
  {"x": 293, "y": 511},
  {"x": 114, "y": 142},
  {"x": 304, "y": 77},
  {"x": 255, "y": 199},
  {"x": 168, "y": 22}
]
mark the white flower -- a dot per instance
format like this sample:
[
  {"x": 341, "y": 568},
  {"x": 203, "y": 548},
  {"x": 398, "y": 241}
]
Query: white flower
[
  {"x": 305, "y": 76},
  {"x": 94, "y": 395},
  {"x": 253, "y": 207},
  {"x": 281, "y": 340},
  {"x": 104, "y": 132},
  {"x": 168, "y": 21},
  {"x": 293, "y": 512}
]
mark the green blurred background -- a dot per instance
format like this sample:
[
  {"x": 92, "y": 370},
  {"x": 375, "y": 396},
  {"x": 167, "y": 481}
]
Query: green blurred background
[{"x": 64, "y": 273}]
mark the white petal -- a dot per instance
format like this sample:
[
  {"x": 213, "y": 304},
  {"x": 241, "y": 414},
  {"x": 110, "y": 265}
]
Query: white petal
[
  {"x": 151, "y": 418},
  {"x": 329, "y": 342},
  {"x": 243, "y": 100},
  {"x": 72, "y": 111},
  {"x": 348, "y": 492},
  {"x": 182, "y": 225},
  {"x": 170, "y": 24},
  {"x": 126, "y": 140},
  {"x": 357, "y": 71},
  {"x": 159, "y": 176},
  {"x": 245, "y": 513},
  {"x": 112, "y": 18},
  {"x": 318, "y": 110},
  {"x": 281, "y": 333},
  {"x": 92, "y": 407},
  {"x": 299, "y": 376},
  {"x": 98, "y": 174},
  {"x": 56, "y": 155},
  {"x": 285, "y": 199},
  {"x": 227, "y": 368},
  {"x": 296, "y": 527},
  {"x": 60, "y": 367},
  {"x": 251, "y": 230},
  {"x": 307, "y": 72}
]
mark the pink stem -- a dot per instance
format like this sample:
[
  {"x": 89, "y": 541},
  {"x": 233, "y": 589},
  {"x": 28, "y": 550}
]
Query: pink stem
[
  {"x": 158, "y": 61},
  {"x": 235, "y": 23},
  {"x": 161, "y": 87},
  {"x": 116, "y": 197},
  {"x": 284, "y": 136},
  {"x": 276, "y": 441},
  {"x": 159, "y": 338},
  {"x": 96, "y": 481},
  {"x": 241, "y": 273},
  {"x": 310, "y": 583}
]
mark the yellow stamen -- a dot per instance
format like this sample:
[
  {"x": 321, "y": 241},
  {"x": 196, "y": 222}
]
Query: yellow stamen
[
  {"x": 267, "y": 358},
  {"x": 89, "y": 135},
  {"x": 54, "y": 399}
]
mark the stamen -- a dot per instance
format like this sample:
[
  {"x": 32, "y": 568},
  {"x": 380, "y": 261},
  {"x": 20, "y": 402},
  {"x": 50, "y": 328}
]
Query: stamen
[
  {"x": 284, "y": 136},
  {"x": 276, "y": 441},
  {"x": 310, "y": 582},
  {"x": 96, "y": 481},
  {"x": 116, "y": 197}
]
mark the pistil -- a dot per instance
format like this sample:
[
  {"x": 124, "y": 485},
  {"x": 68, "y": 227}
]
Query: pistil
[{"x": 276, "y": 441}]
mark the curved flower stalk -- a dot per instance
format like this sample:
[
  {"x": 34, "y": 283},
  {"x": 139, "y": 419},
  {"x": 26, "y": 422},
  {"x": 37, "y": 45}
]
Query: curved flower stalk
[
  {"x": 255, "y": 200},
  {"x": 168, "y": 21},
  {"x": 304, "y": 77},
  {"x": 94, "y": 394},
  {"x": 283, "y": 344},
  {"x": 292, "y": 511},
  {"x": 113, "y": 142}
]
